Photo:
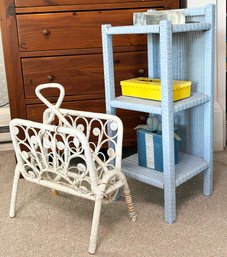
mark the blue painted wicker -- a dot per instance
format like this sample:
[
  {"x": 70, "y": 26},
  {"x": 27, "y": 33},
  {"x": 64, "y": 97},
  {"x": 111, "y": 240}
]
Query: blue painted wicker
[{"x": 182, "y": 52}]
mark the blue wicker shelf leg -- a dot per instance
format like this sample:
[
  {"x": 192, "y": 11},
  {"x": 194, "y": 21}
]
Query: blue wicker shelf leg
[{"x": 183, "y": 52}]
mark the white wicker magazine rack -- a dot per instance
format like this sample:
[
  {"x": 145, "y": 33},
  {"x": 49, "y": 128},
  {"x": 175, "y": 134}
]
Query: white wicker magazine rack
[{"x": 69, "y": 156}]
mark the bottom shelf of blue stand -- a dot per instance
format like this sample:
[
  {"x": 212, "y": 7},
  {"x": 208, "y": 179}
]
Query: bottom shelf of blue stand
[{"x": 188, "y": 166}]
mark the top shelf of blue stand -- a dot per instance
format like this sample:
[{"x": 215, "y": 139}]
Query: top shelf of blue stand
[{"x": 146, "y": 29}]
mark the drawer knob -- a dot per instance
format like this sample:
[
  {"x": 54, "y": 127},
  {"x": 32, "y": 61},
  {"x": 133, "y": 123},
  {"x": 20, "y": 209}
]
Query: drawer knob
[
  {"x": 141, "y": 71},
  {"x": 50, "y": 77},
  {"x": 46, "y": 32}
]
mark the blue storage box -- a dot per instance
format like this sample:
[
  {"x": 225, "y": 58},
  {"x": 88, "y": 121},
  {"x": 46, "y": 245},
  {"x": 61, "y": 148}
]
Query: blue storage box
[{"x": 149, "y": 147}]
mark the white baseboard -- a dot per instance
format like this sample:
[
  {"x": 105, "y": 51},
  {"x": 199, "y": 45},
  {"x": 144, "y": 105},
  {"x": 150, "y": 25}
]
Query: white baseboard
[
  {"x": 4, "y": 122},
  {"x": 6, "y": 146},
  {"x": 226, "y": 133},
  {"x": 219, "y": 128},
  {"x": 4, "y": 116},
  {"x": 5, "y": 137}
]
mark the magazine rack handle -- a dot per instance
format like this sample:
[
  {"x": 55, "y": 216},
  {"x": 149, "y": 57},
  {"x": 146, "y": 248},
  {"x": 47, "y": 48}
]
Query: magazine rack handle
[{"x": 54, "y": 107}]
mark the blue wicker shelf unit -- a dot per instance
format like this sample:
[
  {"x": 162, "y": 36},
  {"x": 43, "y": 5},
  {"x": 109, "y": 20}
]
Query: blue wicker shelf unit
[{"x": 181, "y": 52}]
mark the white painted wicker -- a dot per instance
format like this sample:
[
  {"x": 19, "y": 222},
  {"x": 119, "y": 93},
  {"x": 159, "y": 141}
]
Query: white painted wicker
[{"x": 69, "y": 157}]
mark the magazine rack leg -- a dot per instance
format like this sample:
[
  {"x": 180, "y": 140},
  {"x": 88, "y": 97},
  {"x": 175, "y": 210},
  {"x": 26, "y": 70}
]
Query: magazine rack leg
[
  {"x": 130, "y": 205},
  {"x": 95, "y": 225},
  {"x": 14, "y": 194}
]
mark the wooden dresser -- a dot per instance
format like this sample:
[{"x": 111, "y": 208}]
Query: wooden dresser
[{"x": 60, "y": 41}]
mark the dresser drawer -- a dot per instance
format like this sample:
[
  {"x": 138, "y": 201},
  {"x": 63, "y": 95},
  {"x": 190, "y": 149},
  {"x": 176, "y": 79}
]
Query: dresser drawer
[
  {"x": 130, "y": 119},
  {"x": 29, "y": 3},
  {"x": 72, "y": 30},
  {"x": 82, "y": 74},
  {"x": 35, "y": 111}
]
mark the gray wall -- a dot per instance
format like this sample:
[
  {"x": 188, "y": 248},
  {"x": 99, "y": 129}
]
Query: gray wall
[{"x": 3, "y": 86}]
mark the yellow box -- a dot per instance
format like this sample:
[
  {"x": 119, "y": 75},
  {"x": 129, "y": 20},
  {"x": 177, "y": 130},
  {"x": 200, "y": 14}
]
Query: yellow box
[{"x": 149, "y": 88}]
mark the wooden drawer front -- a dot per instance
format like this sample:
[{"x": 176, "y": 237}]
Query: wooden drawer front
[
  {"x": 35, "y": 111},
  {"x": 80, "y": 75},
  {"x": 56, "y": 31},
  {"x": 130, "y": 118},
  {"x": 28, "y": 3}
]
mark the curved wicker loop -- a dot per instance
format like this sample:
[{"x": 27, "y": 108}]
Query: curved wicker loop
[
  {"x": 67, "y": 156},
  {"x": 54, "y": 108},
  {"x": 44, "y": 100}
]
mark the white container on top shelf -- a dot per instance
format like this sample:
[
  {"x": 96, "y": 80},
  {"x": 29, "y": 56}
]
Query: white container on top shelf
[{"x": 180, "y": 52}]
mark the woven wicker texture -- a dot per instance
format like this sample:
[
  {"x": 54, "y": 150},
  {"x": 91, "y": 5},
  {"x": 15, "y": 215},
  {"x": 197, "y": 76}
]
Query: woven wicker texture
[
  {"x": 175, "y": 52},
  {"x": 150, "y": 152},
  {"x": 69, "y": 157}
]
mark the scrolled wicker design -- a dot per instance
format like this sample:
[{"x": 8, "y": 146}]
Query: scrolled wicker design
[{"x": 70, "y": 157}]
